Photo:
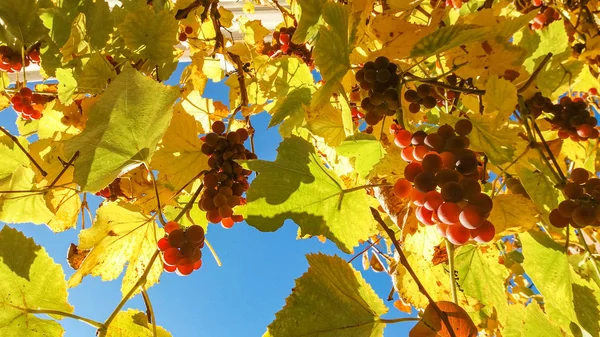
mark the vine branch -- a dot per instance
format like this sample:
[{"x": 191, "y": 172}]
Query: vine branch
[
  {"x": 450, "y": 251},
  {"x": 64, "y": 169},
  {"x": 414, "y": 276},
  {"x": 62, "y": 313},
  {"x": 149, "y": 310},
  {"x": 535, "y": 73},
  {"x": 16, "y": 141}
]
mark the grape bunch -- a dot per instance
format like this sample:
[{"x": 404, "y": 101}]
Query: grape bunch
[
  {"x": 582, "y": 208},
  {"x": 544, "y": 18},
  {"x": 515, "y": 186},
  {"x": 426, "y": 96},
  {"x": 571, "y": 116},
  {"x": 28, "y": 105},
  {"x": 378, "y": 79},
  {"x": 181, "y": 248},
  {"x": 11, "y": 61},
  {"x": 442, "y": 179},
  {"x": 282, "y": 44},
  {"x": 227, "y": 180},
  {"x": 183, "y": 36}
]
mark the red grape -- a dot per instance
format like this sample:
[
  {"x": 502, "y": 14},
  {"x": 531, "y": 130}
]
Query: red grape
[
  {"x": 163, "y": 244},
  {"x": 176, "y": 238},
  {"x": 557, "y": 220},
  {"x": 417, "y": 197},
  {"x": 171, "y": 226},
  {"x": 407, "y": 154},
  {"x": 432, "y": 162},
  {"x": 457, "y": 234},
  {"x": 433, "y": 200},
  {"x": 227, "y": 223},
  {"x": 452, "y": 192},
  {"x": 402, "y": 138},
  {"x": 448, "y": 213},
  {"x": 169, "y": 269},
  {"x": 195, "y": 234},
  {"x": 580, "y": 175},
  {"x": 424, "y": 216},
  {"x": 425, "y": 182},
  {"x": 485, "y": 233},
  {"x": 171, "y": 256},
  {"x": 197, "y": 264},
  {"x": 584, "y": 216},
  {"x": 412, "y": 170},
  {"x": 470, "y": 217},
  {"x": 185, "y": 267},
  {"x": 402, "y": 188},
  {"x": 463, "y": 127}
]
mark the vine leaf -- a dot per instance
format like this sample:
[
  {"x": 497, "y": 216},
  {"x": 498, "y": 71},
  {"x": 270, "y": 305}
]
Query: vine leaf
[
  {"x": 447, "y": 38},
  {"x": 553, "y": 40},
  {"x": 120, "y": 234},
  {"x": 179, "y": 157},
  {"x": 21, "y": 19},
  {"x": 330, "y": 299},
  {"x": 27, "y": 206},
  {"x": 513, "y": 213},
  {"x": 529, "y": 321},
  {"x": 482, "y": 277},
  {"x": 297, "y": 186},
  {"x": 500, "y": 98},
  {"x": 540, "y": 187},
  {"x": 123, "y": 129},
  {"x": 12, "y": 158},
  {"x": 29, "y": 279},
  {"x": 133, "y": 323},
  {"x": 366, "y": 151},
  {"x": 431, "y": 325},
  {"x": 310, "y": 21}
]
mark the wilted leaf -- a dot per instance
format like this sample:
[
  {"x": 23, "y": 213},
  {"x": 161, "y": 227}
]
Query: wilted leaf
[{"x": 431, "y": 325}]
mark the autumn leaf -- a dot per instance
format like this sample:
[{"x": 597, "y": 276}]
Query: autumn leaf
[
  {"x": 432, "y": 325},
  {"x": 119, "y": 235},
  {"x": 512, "y": 213},
  {"x": 500, "y": 98},
  {"x": 133, "y": 323},
  {"x": 297, "y": 186},
  {"x": 313, "y": 306},
  {"x": 29, "y": 280},
  {"x": 529, "y": 321}
]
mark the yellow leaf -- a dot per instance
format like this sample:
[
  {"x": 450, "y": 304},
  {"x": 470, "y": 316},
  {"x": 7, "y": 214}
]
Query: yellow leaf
[
  {"x": 513, "y": 213},
  {"x": 500, "y": 97},
  {"x": 27, "y": 206},
  {"x": 328, "y": 124},
  {"x": 120, "y": 235},
  {"x": 76, "y": 45},
  {"x": 202, "y": 109},
  {"x": 248, "y": 7},
  {"x": 376, "y": 264},
  {"x": 396, "y": 35},
  {"x": 254, "y": 32},
  {"x": 226, "y": 17},
  {"x": 211, "y": 67},
  {"x": 65, "y": 203}
]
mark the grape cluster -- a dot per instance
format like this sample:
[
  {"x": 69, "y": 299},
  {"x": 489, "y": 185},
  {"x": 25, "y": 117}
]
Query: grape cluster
[
  {"x": 458, "y": 207},
  {"x": 227, "y": 181},
  {"x": 181, "y": 248},
  {"x": 582, "y": 208},
  {"x": 282, "y": 44},
  {"x": 27, "y": 104},
  {"x": 183, "y": 36},
  {"x": 426, "y": 96},
  {"x": 380, "y": 82},
  {"x": 544, "y": 18},
  {"x": 571, "y": 116},
  {"x": 11, "y": 61}
]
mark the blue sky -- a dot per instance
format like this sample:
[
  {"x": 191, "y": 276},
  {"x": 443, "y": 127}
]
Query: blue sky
[{"x": 236, "y": 300}]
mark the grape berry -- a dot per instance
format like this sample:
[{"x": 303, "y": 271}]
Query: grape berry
[
  {"x": 11, "y": 61},
  {"x": 378, "y": 81},
  {"x": 582, "y": 208},
  {"x": 282, "y": 44},
  {"x": 442, "y": 179},
  {"x": 27, "y": 104}
]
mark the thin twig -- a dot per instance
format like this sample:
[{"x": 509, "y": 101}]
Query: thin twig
[
  {"x": 398, "y": 320},
  {"x": 444, "y": 85},
  {"x": 581, "y": 236},
  {"x": 16, "y": 141},
  {"x": 56, "y": 312},
  {"x": 64, "y": 169},
  {"x": 539, "y": 133},
  {"x": 149, "y": 310},
  {"x": 450, "y": 251},
  {"x": 190, "y": 203},
  {"x": 414, "y": 276},
  {"x": 161, "y": 217},
  {"x": 364, "y": 250},
  {"x": 535, "y": 73},
  {"x": 214, "y": 253}
]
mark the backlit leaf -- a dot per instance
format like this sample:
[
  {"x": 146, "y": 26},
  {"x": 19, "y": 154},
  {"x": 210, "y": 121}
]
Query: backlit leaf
[
  {"x": 297, "y": 186},
  {"x": 448, "y": 37},
  {"x": 21, "y": 19},
  {"x": 330, "y": 299},
  {"x": 512, "y": 213},
  {"x": 133, "y": 323},
  {"x": 310, "y": 20},
  {"x": 529, "y": 321},
  {"x": 432, "y": 325},
  {"x": 500, "y": 98},
  {"x": 120, "y": 235},
  {"x": 29, "y": 280},
  {"x": 364, "y": 150},
  {"x": 123, "y": 128}
]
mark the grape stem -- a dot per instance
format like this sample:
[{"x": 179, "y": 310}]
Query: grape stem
[
  {"x": 444, "y": 85},
  {"x": 535, "y": 73},
  {"x": 149, "y": 310},
  {"x": 450, "y": 251},
  {"x": 214, "y": 253},
  {"x": 16, "y": 141},
  {"x": 57, "y": 313},
  {"x": 64, "y": 169},
  {"x": 398, "y": 320},
  {"x": 414, "y": 276},
  {"x": 140, "y": 283},
  {"x": 190, "y": 203},
  {"x": 552, "y": 157},
  {"x": 356, "y": 188},
  {"x": 161, "y": 217},
  {"x": 364, "y": 250}
]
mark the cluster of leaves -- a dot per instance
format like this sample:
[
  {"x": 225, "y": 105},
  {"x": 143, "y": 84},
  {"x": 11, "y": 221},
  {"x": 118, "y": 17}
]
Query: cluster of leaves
[{"x": 111, "y": 124}]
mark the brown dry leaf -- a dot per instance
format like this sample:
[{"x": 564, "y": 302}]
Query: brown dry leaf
[
  {"x": 400, "y": 305},
  {"x": 75, "y": 256},
  {"x": 376, "y": 264},
  {"x": 440, "y": 254},
  {"x": 365, "y": 260},
  {"x": 431, "y": 325}
]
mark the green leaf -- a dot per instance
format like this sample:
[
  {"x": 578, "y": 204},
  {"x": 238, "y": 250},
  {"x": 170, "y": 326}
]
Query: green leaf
[
  {"x": 66, "y": 85},
  {"x": 133, "y": 323},
  {"x": 99, "y": 22},
  {"x": 447, "y": 38},
  {"x": 76, "y": 45},
  {"x": 547, "y": 264},
  {"x": 297, "y": 186},
  {"x": 552, "y": 39},
  {"x": 196, "y": 215},
  {"x": 482, "y": 277},
  {"x": 310, "y": 20},
  {"x": 555, "y": 81},
  {"x": 283, "y": 75},
  {"x": 152, "y": 36},
  {"x": 500, "y": 98},
  {"x": 330, "y": 299},
  {"x": 290, "y": 110},
  {"x": 21, "y": 19},
  {"x": 119, "y": 235},
  {"x": 329, "y": 125},
  {"x": 366, "y": 151},
  {"x": 529, "y": 321},
  {"x": 332, "y": 49},
  {"x": 540, "y": 187},
  {"x": 497, "y": 141},
  {"x": 29, "y": 280},
  {"x": 12, "y": 158},
  {"x": 95, "y": 75},
  {"x": 123, "y": 129},
  {"x": 513, "y": 213}
]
